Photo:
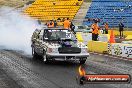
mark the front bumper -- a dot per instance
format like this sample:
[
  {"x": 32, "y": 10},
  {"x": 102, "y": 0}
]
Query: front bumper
[{"x": 82, "y": 56}]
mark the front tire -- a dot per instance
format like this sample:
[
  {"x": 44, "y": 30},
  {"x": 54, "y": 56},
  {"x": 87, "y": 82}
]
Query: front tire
[
  {"x": 45, "y": 58},
  {"x": 34, "y": 54}
]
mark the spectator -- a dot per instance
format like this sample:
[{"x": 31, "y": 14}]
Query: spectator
[
  {"x": 95, "y": 29},
  {"x": 72, "y": 27},
  {"x": 121, "y": 27},
  {"x": 51, "y": 24},
  {"x": 47, "y": 24},
  {"x": 106, "y": 26},
  {"x": 55, "y": 23},
  {"x": 66, "y": 24},
  {"x": 63, "y": 19}
]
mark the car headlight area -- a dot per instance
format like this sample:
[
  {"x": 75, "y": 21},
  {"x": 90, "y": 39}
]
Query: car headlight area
[
  {"x": 52, "y": 50},
  {"x": 55, "y": 50},
  {"x": 84, "y": 50}
]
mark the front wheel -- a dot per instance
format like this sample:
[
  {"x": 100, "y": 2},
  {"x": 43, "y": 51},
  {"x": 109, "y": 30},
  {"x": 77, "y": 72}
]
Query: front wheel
[
  {"x": 34, "y": 54},
  {"x": 45, "y": 58}
]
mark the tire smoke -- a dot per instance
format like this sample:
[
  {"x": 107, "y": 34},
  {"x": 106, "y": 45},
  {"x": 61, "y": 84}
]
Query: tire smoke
[{"x": 16, "y": 30}]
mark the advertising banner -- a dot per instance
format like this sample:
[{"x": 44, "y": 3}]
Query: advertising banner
[{"x": 119, "y": 49}]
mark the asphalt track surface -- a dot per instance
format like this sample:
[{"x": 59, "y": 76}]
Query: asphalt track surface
[{"x": 18, "y": 70}]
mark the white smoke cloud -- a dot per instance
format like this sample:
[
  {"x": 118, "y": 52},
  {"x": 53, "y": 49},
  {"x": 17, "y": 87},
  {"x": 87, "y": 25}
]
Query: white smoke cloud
[{"x": 16, "y": 30}]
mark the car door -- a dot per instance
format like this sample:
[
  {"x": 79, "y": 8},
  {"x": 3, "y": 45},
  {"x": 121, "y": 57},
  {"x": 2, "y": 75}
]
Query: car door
[
  {"x": 40, "y": 43},
  {"x": 35, "y": 41}
]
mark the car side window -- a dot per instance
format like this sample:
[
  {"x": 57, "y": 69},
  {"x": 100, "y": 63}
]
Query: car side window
[
  {"x": 45, "y": 34},
  {"x": 37, "y": 34}
]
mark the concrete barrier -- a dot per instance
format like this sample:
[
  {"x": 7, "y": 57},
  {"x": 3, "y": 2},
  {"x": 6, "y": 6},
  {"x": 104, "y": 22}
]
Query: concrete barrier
[
  {"x": 126, "y": 42},
  {"x": 129, "y": 37},
  {"x": 104, "y": 37},
  {"x": 127, "y": 51},
  {"x": 116, "y": 49},
  {"x": 122, "y": 50},
  {"x": 89, "y": 45},
  {"x": 97, "y": 46},
  {"x": 126, "y": 33},
  {"x": 86, "y": 37}
]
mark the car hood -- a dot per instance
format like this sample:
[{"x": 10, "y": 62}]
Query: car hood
[{"x": 65, "y": 44}]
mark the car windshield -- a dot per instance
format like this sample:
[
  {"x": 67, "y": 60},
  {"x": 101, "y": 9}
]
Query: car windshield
[{"x": 57, "y": 35}]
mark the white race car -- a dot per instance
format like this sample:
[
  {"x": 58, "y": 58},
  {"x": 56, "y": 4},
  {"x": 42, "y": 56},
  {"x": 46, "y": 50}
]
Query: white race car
[{"x": 58, "y": 44}]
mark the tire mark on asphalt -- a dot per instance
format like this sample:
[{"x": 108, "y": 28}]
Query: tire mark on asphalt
[
  {"x": 7, "y": 54},
  {"x": 8, "y": 60}
]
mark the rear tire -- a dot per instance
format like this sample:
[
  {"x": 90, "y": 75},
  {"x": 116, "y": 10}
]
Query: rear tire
[
  {"x": 82, "y": 61},
  {"x": 82, "y": 79}
]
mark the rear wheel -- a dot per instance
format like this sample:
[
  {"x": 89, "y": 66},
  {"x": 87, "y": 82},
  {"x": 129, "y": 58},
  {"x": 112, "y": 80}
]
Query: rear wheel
[
  {"x": 82, "y": 79},
  {"x": 82, "y": 61}
]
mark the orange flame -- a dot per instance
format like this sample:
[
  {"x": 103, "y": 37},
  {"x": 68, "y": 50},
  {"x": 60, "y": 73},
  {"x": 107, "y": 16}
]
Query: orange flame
[{"x": 81, "y": 71}]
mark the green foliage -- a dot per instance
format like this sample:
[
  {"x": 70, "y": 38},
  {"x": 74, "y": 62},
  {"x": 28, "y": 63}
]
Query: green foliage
[{"x": 88, "y": 0}]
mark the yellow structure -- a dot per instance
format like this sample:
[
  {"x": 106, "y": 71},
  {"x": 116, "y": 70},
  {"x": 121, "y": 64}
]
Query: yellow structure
[
  {"x": 79, "y": 37},
  {"x": 129, "y": 37},
  {"x": 97, "y": 46},
  {"x": 126, "y": 33},
  {"x": 45, "y": 10}
]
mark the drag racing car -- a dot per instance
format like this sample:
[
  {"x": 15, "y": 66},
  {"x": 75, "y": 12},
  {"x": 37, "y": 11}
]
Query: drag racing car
[{"x": 58, "y": 44}]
